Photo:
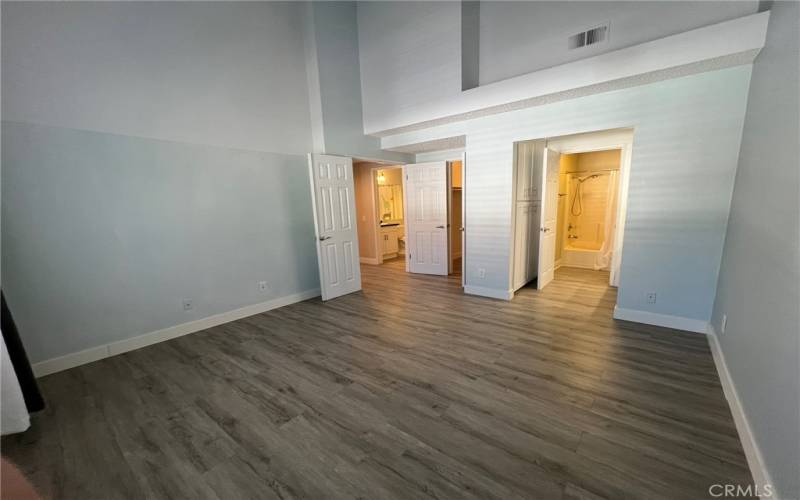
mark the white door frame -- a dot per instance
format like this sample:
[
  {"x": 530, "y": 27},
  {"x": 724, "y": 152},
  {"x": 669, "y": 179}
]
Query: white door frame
[
  {"x": 449, "y": 226},
  {"x": 602, "y": 141},
  {"x": 463, "y": 227}
]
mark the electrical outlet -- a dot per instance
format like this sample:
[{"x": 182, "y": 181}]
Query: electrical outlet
[
  {"x": 481, "y": 272},
  {"x": 262, "y": 286},
  {"x": 723, "y": 323},
  {"x": 651, "y": 298},
  {"x": 188, "y": 305}
]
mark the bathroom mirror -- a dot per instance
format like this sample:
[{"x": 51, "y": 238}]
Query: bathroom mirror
[{"x": 390, "y": 202}]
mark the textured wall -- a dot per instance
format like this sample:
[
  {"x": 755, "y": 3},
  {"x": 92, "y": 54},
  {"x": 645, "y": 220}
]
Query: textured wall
[
  {"x": 759, "y": 279},
  {"x": 410, "y": 54},
  {"x": 521, "y": 37},
  {"x": 685, "y": 148}
]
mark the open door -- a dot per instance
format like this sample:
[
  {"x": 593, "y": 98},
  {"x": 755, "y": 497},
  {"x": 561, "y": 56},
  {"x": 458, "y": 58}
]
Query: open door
[
  {"x": 333, "y": 196},
  {"x": 426, "y": 218},
  {"x": 549, "y": 218}
]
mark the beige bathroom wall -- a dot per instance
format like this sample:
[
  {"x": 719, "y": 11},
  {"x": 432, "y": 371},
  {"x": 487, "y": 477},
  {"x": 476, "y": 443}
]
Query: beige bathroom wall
[
  {"x": 590, "y": 225},
  {"x": 365, "y": 210},
  {"x": 393, "y": 176},
  {"x": 365, "y": 207},
  {"x": 598, "y": 160},
  {"x": 568, "y": 163}
]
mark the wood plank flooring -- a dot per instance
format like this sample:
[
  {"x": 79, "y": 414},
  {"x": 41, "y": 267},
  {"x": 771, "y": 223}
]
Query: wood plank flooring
[{"x": 408, "y": 389}]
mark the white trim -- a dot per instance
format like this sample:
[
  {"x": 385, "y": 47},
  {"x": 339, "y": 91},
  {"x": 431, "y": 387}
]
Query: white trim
[
  {"x": 493, "y": 293},
  {"x": 370, "y": 260},
  {"x": 752, "y": 452},
  {"x": 658, "y": 319},
  {"x": 74, "y": 359}
]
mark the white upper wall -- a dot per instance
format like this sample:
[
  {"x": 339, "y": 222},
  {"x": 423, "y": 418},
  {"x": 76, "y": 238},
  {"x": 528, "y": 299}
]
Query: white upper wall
[
  {"x": 332, "y": 46},
  {"x": 226, "y": 74},
  {"x": 521, "y": 37},
  {"x": 410, "y": 54}
]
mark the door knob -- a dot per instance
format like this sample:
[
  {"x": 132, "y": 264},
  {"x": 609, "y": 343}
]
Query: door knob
[
  {"x": 323, "y": 238},
  {"x": 545, "y": 229},
  {"x": 461, "y": 229}
]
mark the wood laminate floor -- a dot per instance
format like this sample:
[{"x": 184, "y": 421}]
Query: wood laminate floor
[{"x": 408, "y": 389}]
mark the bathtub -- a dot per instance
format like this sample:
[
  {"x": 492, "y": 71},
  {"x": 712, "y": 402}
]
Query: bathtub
[{"x": 580, "y": 254}]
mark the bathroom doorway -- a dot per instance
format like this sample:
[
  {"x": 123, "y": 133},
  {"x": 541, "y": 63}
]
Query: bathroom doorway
[
  {"x": 389, "y": 195},
  {"x": 570, "y": 196},
  {"x": 389, "y": 206},
  {"x": 587, "y": 206},
  {"x": 380, "y": 209}
]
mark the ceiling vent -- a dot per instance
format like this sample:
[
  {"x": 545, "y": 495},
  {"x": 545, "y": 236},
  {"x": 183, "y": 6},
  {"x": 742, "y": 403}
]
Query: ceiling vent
[{"x": 589, "y": 37}]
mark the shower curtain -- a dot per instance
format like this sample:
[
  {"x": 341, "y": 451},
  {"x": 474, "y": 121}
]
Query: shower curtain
[{"x": 603, "y": 257}]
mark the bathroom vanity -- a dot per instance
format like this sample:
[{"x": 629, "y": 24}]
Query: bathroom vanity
[{"x": 391, "y": 236}]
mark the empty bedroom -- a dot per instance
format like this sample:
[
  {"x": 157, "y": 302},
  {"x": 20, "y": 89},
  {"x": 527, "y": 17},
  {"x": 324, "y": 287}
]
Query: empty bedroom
[{"x": 395, "y": 249}]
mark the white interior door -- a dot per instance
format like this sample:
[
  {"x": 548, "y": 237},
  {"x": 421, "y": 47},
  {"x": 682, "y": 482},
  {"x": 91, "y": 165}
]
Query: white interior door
[
  {"x": 426, "y": 218},
  {"x": 333, "y": 195},
  {"x": 549, "y": 217}
]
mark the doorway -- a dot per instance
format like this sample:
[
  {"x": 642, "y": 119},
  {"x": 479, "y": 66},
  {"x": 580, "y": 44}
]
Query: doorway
[
  {"x": 570, "y": 198},
  {"x": 587, "y": 205},
  {"x": 411, "y": 213}
]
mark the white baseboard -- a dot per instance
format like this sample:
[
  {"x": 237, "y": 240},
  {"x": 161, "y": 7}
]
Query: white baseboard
[
  {"x": 72, "y": 360},
  {"x": 666, "y": 320},
  {"x": 489, "y": 292},
  {"x": 752, "y": 452},
  {"x": 370, "y": 260}
]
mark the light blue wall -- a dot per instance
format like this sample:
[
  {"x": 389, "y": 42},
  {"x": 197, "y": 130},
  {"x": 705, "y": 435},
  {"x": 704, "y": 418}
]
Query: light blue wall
[
  {"x": 759, "y": 281},
  {"x": 335, "y": 33},
  {"x": 228, "y": 74},
  {"x": 105, "y": 235},
  {"x": 685, "y": 147},
  {"x": 152, "y": 152}
]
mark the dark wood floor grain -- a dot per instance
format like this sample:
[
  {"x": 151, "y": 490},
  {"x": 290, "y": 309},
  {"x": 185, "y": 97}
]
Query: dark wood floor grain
[{"x": 408, "y": 389}]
